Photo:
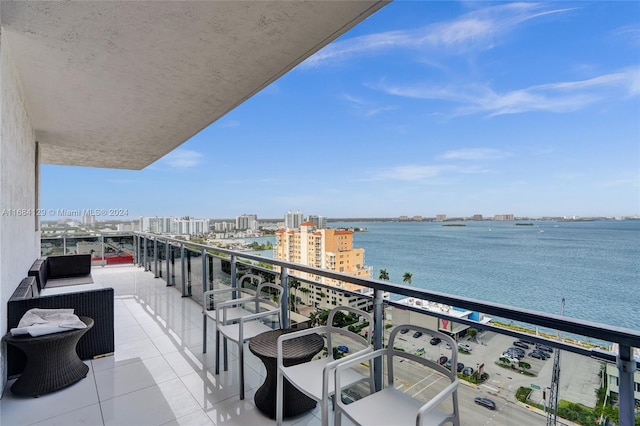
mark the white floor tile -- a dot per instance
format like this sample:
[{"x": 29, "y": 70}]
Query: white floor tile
[
  {"x": 154, "y": 405},
  {"x": 16, "y": 410},
  {"x": 132, "y": 377},
  {"x": 87, "y": 416}
]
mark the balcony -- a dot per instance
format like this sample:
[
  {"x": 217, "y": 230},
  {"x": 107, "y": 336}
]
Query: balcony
[{"x": 159, "y": 375}]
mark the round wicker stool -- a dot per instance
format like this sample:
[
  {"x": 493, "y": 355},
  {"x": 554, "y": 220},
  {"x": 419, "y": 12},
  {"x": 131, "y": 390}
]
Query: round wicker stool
[
  {"x": 52, "y": 361},
  {"x": 296, "y": 351}
]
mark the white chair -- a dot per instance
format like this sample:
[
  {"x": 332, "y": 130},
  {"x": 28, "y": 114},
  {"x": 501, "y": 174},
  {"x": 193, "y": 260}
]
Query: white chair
[
  {"x": 315, "y": 378},
  {"x": 241, "y": 330},
  {"x": 391, "y": 405},
  {"x": 246, "y": 286}
]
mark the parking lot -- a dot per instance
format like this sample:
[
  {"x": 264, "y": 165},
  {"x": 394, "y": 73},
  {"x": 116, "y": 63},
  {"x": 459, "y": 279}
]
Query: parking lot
[{"x": 578, "y": 374}]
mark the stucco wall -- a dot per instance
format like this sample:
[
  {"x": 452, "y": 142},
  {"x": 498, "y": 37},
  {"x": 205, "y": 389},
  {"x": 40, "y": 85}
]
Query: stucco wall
[{"x": 19, "y": 240}]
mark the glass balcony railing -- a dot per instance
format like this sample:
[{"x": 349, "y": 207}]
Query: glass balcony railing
[{"x": 531, "y": 364}]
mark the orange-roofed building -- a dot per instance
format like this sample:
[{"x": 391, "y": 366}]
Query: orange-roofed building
[{"x": 330, "y": 249}]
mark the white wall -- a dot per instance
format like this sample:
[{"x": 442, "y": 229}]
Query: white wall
[{"x": 19, "y": 240}]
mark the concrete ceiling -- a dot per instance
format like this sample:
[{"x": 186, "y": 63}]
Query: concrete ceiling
[{"x": 121, "y": 84}]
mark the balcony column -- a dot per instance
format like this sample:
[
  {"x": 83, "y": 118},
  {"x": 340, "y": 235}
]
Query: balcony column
[
  {"x": 284, "y": 308},
  {"x": 626, "y": 369},
  {"x": 378, "y": 329},
  {"x": 155, "y": 257}
]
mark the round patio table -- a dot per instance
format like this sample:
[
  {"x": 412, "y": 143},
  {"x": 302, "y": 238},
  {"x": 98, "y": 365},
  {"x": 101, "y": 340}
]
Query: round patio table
[
  {"x": 295, "y": 351},
  {"x": 52, "y": 361}
]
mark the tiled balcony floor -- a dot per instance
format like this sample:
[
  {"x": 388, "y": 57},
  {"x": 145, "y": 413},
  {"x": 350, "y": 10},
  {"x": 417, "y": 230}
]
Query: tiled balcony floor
[{"x": 158, "y": 374}]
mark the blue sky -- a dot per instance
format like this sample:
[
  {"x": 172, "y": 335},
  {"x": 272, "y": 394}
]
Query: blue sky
[{"x": 425, "y": 108}]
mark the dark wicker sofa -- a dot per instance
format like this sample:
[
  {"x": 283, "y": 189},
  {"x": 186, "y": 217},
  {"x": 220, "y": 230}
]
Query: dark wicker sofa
[
  {"x": 57, "y": 271},
  {"x": 95, "y": 303}
]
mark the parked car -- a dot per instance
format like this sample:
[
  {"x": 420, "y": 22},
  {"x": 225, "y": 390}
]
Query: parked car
[
  {"x": 435, "y": 340},
  {"x": 544, "y": 354},
  {"x": 467, "y": 371},
  {"x": 448, "y": 346},
  {"x": 516, "y": 350},
  {"x": 343, "y": 348},
  {"x": 420, "y": 352},
  {"x": 460, "y": 367},
  {"x": 442, "y": 360},
  {"x": 404, "y": 331},
  {"x": 485, "y": 402},
  {"x": 464, "y": 347},
  {"x": 513, "y": 358},
  {"x": 528, "y": 342},
  {"x": 537, "y": 354},
  {"x": 520, "y": 344},
  {"x": 417, "y": 334},
  {"x": 447, "y": 364},
  {"x": 512, "y": 354},
  {"x": 544, "y": 347}
]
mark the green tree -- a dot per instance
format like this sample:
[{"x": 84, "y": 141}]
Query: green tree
[
  {"x": 384, "y": 275},
  {"x": 473, "y": 333},
  {"x": 407, "y": 277},
  {"x": 294, "y": 284}
]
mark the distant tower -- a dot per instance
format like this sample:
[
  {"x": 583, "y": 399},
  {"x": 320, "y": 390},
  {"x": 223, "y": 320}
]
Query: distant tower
[
  {"x": 320, "y": 221},
  {"x": 293, "y": 220}
]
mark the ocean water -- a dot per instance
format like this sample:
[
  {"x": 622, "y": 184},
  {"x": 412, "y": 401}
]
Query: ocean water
[{"x": 595, "y": 266}]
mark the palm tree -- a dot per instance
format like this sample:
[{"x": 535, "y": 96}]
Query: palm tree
[
  {"x": 407, "y": 277},
  {"x": 294, "y": 284},
  {"x": 384, "y": 275}
]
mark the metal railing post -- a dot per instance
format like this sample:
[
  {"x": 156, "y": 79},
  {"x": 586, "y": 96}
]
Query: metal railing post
[
  {"x": 146, "y": 255},
  {"x": 284, "y": 282},
  {"x": 64, "y": 245},
  {"x": 234, "y": 279},
  {"x": 102, "y": 247},
  {"x": 626, "y": 369},
  {"x": 155, "y": 257},
  {"x": 378, "y": 330},
  {"x": 183, "y": 266},
  {"x": 168, "y": 261},
  {"x": 210, "y": 258},
  {"x": 188, "y": 272},
  {"x": 173, "y": 267},
  {"x": 204, "y": 270}
]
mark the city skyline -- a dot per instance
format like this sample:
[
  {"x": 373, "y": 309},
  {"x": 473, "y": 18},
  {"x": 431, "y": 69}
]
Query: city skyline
[{"x": 422, "y": 109}]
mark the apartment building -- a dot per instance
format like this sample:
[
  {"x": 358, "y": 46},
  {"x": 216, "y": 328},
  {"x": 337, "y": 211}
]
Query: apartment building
[{"x": 330, "y": 249}]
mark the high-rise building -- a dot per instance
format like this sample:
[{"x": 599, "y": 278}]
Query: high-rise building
[
  {"x": 320, "y": 221},
  {"x": 441, "y": 217},
  {"x": 330, "y": 249},
  {"x": 173, "y": 225},
  {"x": 293, "y": 220},
  {"x": 247, "y": 221}
]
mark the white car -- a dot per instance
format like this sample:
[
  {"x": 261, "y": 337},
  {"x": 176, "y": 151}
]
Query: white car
[{"x": 465, "y": 347}]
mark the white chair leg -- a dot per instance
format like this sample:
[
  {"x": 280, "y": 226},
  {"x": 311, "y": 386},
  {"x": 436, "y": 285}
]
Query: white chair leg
[
  {"x": 217, "y": 351},
  {"x": 241, "y": 368},
  {"x": 279, "y": 398}
]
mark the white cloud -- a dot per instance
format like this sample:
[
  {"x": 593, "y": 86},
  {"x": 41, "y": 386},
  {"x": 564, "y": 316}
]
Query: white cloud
[
  {"x": 475, "y": 154},
  {"x": 555, "y": 97},
  {"x": 479, "y": 29},
  {"x": 424, "y": 173},
  {"x": 182, "y": 159},
  {"x": 367, "y": 108}
]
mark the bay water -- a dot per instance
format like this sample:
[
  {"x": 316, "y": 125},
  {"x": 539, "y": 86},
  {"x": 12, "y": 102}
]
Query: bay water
[{"x": 595, "y": 265}]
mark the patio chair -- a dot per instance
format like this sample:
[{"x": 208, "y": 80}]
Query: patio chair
[
  {"x": 246, "y": 286},
  {"x": 242, "y": 329},
  {"x": 315, "y": 378},
  {"x": 391, "y": 405}
]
